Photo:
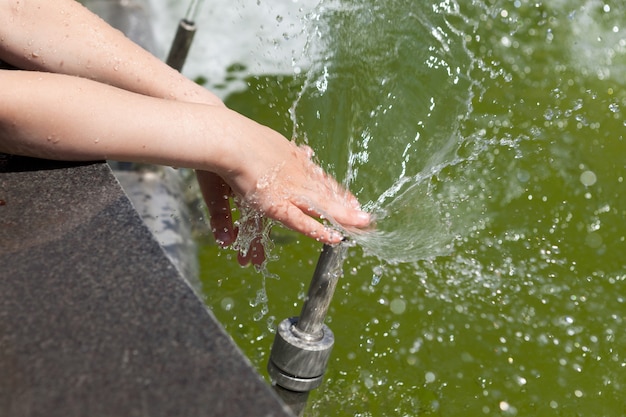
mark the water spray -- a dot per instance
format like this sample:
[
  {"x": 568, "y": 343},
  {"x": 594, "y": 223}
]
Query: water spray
[
  {"x": 184, "y": 36},
  {"x": 303, "y": 344}
]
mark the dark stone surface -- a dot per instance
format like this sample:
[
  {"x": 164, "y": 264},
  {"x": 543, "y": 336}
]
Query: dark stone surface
[{"x": 94, "y": 319}]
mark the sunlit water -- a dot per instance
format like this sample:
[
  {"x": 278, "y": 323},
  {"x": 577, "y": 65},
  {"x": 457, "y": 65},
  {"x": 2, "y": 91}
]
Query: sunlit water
[{"x": 488, "y": 139}]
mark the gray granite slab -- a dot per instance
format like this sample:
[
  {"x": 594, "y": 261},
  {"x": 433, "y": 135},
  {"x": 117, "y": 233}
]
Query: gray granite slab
[{"x": 94, "y": 319}]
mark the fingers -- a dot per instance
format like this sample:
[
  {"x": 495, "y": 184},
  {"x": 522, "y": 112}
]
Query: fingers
[
  {"x": 254, "y": 251},
  {"x": 296, "y": 219},
  {"x": 216, "y": 195},
  {"x": 297, "y": 205},
  {"x": 330, "y": 200},
  {"x": 255, "y": 254},
  {"x": 342, "y": 215}
]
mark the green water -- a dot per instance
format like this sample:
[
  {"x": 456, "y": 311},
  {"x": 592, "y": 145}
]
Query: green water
[{"x": 488, "y": 140}]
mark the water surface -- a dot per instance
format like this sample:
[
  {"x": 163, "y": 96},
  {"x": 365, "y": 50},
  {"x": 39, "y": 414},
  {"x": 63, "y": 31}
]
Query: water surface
[{"x": 488, "y": 139}]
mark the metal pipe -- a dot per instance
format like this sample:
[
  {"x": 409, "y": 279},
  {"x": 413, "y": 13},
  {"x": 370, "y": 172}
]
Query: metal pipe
[
  {"x": 327, "y": 273},
  {"x": 302, "y": 346},
  {"x": 192, "y": 11},
  {"x": 183, "y": 38}
]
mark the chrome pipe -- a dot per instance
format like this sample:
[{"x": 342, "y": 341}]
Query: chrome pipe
[
  {"x": 302, "y": 345},
  {"x": 183, "y": 38}
]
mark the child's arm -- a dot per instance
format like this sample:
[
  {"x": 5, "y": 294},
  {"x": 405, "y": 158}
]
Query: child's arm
[
  {"x": 64, "y": 117},
  {"x": 63, "y": 36}
]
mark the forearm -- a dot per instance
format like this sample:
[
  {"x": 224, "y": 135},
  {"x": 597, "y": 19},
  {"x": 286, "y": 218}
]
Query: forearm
[
  {"x": 62, "y": 36},
  {"x": 62, "y": 117}
]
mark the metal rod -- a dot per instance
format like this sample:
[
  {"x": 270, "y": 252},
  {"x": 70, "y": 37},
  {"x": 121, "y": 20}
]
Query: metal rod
[
  {"x": 192, "y": 11},
  {"x": 327, "y": 273},
  {"x": 296, "y": 401},
  {"x": 181, "y": 44},
  {"x": 302, "y": 346},
  {"x": 183, "y": 38}
]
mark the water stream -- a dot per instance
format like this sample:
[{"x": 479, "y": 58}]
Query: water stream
[{"x": 488, "y": 139}]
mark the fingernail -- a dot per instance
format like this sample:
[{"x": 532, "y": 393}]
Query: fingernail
[
  {"x": 223, "y": 239},
  {"x": 363, "y": 216}
]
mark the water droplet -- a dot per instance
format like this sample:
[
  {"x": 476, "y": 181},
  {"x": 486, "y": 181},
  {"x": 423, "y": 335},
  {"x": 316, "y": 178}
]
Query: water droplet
[
  {"x": 397, "y": 306},
  {"x": 378, "y": 273},
  {"x": 593, "y": 240},
  {"x": 227, "y": 303},
  {"x": 523, "y": 175},
  {"x": 588, "y": 178},
  {"x": 548, "y": 114},
  {"x": 429, "y": 377}
]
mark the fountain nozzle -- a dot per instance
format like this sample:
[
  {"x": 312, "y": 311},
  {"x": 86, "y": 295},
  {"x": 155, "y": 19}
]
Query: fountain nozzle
[
  {"x": 184, "y": 37},
  {"x": 302, "y": 345}
]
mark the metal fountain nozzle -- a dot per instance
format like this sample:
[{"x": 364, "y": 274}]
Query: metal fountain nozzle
[
  {"x": 303, "y": 344},
  {"x": 184, "y": 37}
]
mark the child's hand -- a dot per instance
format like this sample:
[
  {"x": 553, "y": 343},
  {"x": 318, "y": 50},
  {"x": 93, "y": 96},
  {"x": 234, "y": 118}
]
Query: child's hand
[
  {"x": 217, "y": 195},
  {"x": 279, "y": 179},
  {"x": 272, "y": 175}
]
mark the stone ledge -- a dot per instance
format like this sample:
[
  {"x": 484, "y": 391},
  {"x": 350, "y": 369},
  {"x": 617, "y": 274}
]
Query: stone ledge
[{"x": 94, "y": 319}]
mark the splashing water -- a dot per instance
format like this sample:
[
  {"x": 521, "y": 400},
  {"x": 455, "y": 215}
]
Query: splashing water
[{"x": 393, "y": 83}]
